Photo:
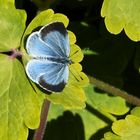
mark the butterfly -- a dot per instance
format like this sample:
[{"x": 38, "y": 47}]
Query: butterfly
[{"x": 49, "y": 49}]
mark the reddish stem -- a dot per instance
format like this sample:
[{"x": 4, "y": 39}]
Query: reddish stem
[
  {"x": 15, "y": 53},
  {"x": 39, "y": 133}
]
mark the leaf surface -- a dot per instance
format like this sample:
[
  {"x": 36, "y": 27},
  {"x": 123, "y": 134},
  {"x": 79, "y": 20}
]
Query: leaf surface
[
  {"x": 122, "y": 14},
  {"x": 126, "y": 129},
  {"x": 106, "y": 103},
  {"x": 12, "y": 23},
  {"x": 19, "y": 104}
]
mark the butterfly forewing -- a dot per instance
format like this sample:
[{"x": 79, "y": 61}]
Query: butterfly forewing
[
  {"x": 36, "y": 47},
  {"x": 55, "y": 35}
]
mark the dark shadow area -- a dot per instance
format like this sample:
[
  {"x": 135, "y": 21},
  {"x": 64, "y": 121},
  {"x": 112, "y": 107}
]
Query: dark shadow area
[
  {"x": 31, "y": 134},
  {"x": 116, "y": 62},
  {"x": 70, "y": 127},
  {"x": 29, "y": 7},
  {"x": 132, "y": 76},
  {"x": 66, "y": 127},
  {"x": 100, "y": 133}
]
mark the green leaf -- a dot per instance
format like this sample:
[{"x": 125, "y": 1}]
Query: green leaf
[
  {"x": 12, "y": 23},
  {"x": 110, "y": 136},
  {"x": 126, "y": 129},
  {"x": 7, "y": 3},
  {"x": 74, "y": 56},
  {"x": 136, "y": 111},
  {"x": 19, "y": 104},
  {"x": 71, "y": 97},
  {"x": 72, "y": 37},
  {"x": 122, "y": 14},
  {"x": 106, "y": 103}
]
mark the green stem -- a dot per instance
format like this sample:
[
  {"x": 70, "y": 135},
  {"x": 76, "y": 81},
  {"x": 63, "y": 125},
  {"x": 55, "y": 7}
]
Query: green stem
[
  {"x": 115, "y": 91},
  {"x": 39, "y": 133}
]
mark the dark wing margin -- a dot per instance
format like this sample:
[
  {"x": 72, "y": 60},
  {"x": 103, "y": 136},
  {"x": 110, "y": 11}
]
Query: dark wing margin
[
  {"x": 52, "y": 88},
  {"x": 55, "y": 35},
  {"x": 53, "y": 27}
]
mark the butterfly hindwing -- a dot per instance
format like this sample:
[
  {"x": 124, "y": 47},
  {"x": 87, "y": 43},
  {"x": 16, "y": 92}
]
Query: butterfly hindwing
[
  {"x": 54, "y": 82},
  {"x": 49, "y": 75}
]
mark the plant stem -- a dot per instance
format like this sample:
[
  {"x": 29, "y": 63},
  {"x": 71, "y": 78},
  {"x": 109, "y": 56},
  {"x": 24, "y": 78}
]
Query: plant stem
[
  {"x": 15, "y": 53},
  {"x": 39, "y": 133},
  {"x": 114, "y": 91}
]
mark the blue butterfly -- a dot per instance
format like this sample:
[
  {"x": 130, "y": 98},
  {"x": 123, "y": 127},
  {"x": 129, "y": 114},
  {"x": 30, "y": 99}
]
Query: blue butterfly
[{"x": 50, "y": 49}]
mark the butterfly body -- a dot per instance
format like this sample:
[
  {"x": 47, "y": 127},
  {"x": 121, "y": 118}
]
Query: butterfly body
[
  {"x": 49, "y": 49},
  {"x": 62, "y": 60}
]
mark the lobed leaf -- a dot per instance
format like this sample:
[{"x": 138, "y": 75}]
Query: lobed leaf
[
  {"x": 110, "y": 136},
  {"x": 76, "y": 54},
  {"x": 122, "y": 14},
  {"x": 106, "y": 103},
  {"x": 72, "y": 37},
  {"x": 71, "y": 97},
  {"x": 19, "y": 104},
  {"x": 12, "y": 23},
  {"x": 126, "y": 129}
]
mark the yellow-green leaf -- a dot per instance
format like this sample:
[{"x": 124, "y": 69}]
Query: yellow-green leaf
[
  {"x": 106, "y": 103},
  {"x": 136, "y": 111},
  {"x": 71, "y": 97},
  {"x": 126, "y": 129},
  {"x": 19, "y": 104},
  {"x": 122, "y": 14},
  {"x": 12, "y": 23},
  {"x": 72, "y": 37},
  {"x": 7, "y": 3},
  {"x": 76, "y": 54},
  {"x": 110, "y": 136}
]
